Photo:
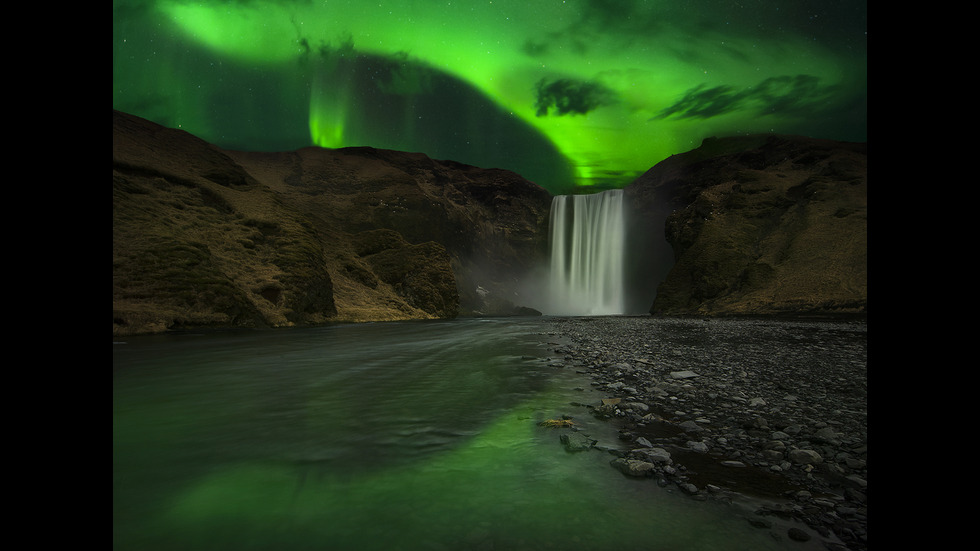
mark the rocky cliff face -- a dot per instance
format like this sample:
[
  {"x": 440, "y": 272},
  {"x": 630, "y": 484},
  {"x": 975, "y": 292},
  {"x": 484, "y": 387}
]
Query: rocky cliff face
[
  {"x": 207, "y": 237},
  {"x": 759, "y": 225}
]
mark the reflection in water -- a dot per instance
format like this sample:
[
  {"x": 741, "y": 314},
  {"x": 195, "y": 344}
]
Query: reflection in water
[{"x": 378, "y": 436}]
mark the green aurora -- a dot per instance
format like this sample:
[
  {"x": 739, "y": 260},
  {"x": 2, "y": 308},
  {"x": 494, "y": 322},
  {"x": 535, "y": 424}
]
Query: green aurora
[{"x": 568, "y": 93}]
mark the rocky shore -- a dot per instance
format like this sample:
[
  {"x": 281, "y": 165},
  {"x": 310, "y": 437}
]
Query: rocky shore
[{"x": 720, "y": 409}]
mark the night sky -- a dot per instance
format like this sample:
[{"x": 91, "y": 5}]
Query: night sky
[{"x": 565, "y": 92}]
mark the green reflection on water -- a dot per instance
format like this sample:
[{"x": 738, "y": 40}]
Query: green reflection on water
[
  {"x": 479, "y": 494},
  {"x": 502, "y": 490},
  {"x": 221, "y": 456}
]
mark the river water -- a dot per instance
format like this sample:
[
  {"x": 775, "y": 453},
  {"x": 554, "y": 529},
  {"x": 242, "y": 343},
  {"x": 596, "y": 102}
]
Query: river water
[{"x": 407, "y": 435}]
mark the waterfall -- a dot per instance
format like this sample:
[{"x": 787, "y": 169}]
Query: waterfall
[{"x": 587, "y": 254}]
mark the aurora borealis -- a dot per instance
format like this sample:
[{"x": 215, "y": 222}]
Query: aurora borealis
[{"x": 568, "y": 93}]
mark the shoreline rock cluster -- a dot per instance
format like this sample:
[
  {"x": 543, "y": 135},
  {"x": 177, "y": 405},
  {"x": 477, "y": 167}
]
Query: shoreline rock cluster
[{"x": 719, "y": 414}]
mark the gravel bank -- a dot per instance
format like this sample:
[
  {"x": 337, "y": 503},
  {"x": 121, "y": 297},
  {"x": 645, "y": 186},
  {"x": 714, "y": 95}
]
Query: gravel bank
[{"x": 774, "y": 409}]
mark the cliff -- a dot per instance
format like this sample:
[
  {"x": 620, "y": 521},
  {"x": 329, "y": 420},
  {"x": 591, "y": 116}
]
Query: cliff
[
  {"x": 758, "y": 225},
  {"x": 208, "y": 237},
  {"x": 205, "y": 237}
]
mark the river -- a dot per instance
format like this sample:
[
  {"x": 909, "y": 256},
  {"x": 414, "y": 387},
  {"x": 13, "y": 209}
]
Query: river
[{"x": 406, "y": 435}]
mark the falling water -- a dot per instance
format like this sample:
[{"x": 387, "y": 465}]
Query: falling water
[{"x": 587, "y": 254}]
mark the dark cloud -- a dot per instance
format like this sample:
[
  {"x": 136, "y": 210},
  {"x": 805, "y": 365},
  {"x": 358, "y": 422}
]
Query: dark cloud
[
  {"x": 701, "y": 103},
  {"x": 786, "y": 95},
  {"x": 570, "y": 96},
  {"x": 800, "y": 94}
]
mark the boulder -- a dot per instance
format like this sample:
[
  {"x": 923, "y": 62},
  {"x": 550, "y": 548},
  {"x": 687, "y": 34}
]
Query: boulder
[
  {"x": 686, "y": 374},
  {"x": 827, "y": 435},
  {"x": 699, "y": 447},
  {"x": 654, "y": 455},
  {"x": 576, "y": 441},
  {"x": 634, "y": 467},
  {"x": 688, "y": 488},
  {"x": 804, "y": 457}
]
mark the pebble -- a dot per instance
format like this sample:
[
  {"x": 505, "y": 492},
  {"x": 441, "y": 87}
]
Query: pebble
[
  {"x": 804, "y": 457},
  {"x": 784, "y": 397},
  {"x": 682, "y": 374}
]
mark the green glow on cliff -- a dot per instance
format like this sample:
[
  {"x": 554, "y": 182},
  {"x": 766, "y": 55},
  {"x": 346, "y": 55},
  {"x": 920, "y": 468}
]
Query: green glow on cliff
[{"x": 612, "y": 92}]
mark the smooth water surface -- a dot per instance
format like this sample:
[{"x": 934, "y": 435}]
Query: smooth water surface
[{"x": 414, "y": 435}]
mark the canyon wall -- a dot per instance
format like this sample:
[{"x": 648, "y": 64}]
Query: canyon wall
[
  {"x": 757, "y": 225},
  {"x": 204, "y": 237}
]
